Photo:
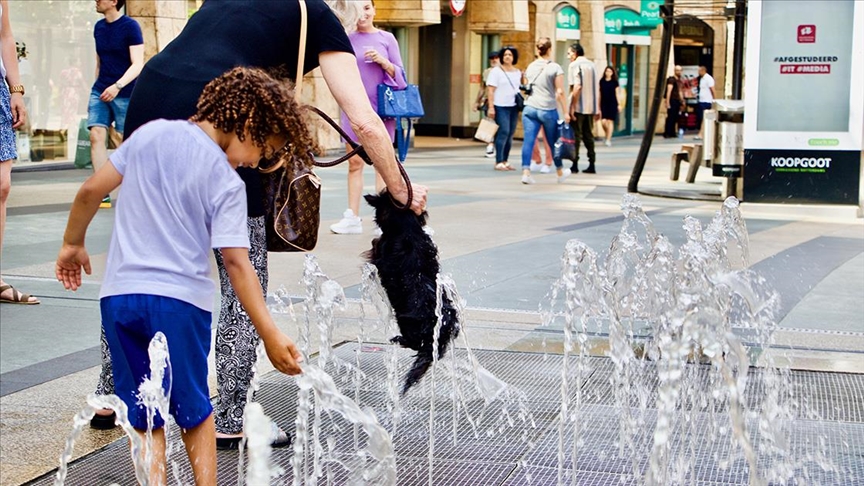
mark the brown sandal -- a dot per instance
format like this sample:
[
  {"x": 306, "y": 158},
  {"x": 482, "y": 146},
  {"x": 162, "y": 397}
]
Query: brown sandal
[
  {"x": 17, "y": 297},
  {"x": 500, "y": 166}
]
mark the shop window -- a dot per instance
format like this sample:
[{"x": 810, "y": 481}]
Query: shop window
[{"x": 57, "y": 62}]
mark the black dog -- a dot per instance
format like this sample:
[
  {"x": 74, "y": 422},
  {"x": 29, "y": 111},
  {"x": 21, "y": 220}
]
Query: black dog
[{"x": 407, "y": 263}]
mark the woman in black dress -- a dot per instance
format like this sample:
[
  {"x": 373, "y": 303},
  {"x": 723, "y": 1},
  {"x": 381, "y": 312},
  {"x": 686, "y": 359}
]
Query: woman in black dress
[{"x": 609, "y": 107}]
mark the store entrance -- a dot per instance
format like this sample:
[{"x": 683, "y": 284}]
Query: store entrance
[
  {"x": 631, "y": 64},
  {"x": 434, "y": 69}
]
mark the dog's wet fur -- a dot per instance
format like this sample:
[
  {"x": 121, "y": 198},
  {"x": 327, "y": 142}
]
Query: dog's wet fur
[{"x": 407, "y": 263}]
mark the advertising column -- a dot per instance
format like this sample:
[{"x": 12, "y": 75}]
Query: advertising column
[{"x": 804, "y": 102}]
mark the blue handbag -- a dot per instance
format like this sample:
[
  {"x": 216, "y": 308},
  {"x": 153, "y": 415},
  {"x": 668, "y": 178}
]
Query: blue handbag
[{"x": 400, "y": 104}]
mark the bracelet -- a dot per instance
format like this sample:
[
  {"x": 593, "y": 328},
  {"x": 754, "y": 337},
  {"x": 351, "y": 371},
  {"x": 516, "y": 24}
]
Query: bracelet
[{"x": 17, "y": 88}]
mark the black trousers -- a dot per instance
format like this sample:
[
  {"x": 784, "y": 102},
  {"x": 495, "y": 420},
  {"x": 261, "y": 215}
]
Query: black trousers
[
  {"x": 583, "y": 131},
  {"x": 672, "y": 118}
]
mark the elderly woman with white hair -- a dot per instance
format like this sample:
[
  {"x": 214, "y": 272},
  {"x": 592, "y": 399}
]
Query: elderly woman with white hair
[{"x": 220, "y": 36}]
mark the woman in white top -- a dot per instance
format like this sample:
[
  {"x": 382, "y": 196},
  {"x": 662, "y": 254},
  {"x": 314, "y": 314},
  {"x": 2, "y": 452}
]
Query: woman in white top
[
  {"x": 546, "y": 86},
  {"x": 502, "y": 86},
  {"x": 12, "y": 116}
]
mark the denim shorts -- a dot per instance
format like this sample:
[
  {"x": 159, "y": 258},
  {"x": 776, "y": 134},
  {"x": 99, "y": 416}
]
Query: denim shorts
[
  {"x": 130, "y": 322},
  {"x": 8, "y": 145},
  {"x": 101, "y": 114}
]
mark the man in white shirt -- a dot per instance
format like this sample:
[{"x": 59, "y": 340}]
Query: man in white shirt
[
  {"x": 705, "y": 97},
  {"x": 584, "y": 104}
]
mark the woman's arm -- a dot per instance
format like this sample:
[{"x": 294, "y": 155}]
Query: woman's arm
[
  {"x": 397, "y": 69},
  {"x": 343, "y": 78},
  {"x": 10, "y": 60}
]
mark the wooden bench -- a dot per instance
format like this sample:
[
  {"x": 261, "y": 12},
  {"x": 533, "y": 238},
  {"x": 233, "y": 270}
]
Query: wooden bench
[{"x": 691, "y": 154}]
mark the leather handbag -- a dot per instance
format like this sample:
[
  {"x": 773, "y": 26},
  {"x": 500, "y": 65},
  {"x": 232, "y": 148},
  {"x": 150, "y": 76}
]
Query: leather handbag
[
  {"x": 400, "y": 103},
  {"x": 292, "y": 191}
]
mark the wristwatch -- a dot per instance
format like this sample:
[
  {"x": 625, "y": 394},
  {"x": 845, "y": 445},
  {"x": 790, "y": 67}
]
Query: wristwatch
[
  {"x": 119, "y": 85},
  {"x": 17, "y": 88}
]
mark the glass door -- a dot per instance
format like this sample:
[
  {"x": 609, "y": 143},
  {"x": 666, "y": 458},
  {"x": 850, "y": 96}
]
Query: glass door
[
  {"x": 621, "y": 58},
  {"x": 639, "y": 91}
]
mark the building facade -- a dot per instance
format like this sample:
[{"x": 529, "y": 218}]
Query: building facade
[{"x": 444, "y": 51}]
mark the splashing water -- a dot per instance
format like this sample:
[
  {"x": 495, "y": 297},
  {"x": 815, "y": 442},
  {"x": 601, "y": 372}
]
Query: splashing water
[
  {"x": 151, "y": 395},
  {"x": 372, "y": 464},
  {"x": 676, "y": 327}
]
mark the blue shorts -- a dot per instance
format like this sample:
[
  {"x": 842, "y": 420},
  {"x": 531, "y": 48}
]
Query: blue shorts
[
  {"x": 8, "y": 145},
  {"x": 130, "y": 322},
  {"x": 101, "y": 114}
]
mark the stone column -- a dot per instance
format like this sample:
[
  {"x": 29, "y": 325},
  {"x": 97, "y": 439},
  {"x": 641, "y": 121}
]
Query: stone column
[{"x": 161, "y": 21}]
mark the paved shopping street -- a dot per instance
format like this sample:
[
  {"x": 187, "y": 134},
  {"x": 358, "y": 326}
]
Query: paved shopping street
[{"x": 500, "y": 240}]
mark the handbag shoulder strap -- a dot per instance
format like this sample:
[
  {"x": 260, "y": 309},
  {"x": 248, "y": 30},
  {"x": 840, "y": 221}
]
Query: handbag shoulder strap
[
  {"x": 301, "y": 53},
  {"x": 508, "y": 77}
]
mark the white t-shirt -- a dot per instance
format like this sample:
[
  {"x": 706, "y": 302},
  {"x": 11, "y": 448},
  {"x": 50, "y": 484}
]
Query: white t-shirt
[
  {"x": 505, "y": 91},
  {"x": 705, "y": 85},
  {"x": 180, "y": 197}
]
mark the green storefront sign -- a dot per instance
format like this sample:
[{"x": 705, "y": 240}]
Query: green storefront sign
[
  {"x": 567, "y": 23},
  {"x": 623, "y": 25},
  {"x": 650, "y": 11}
]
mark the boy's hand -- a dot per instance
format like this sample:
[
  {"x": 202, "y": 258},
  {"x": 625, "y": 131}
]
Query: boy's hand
[
  {"x": 68, "y": 266},
  {"x": 283, "y": 354}
]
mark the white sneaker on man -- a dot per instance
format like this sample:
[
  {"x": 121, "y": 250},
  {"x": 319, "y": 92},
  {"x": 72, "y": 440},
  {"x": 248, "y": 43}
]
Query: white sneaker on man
[
  {"x": 350, "y": 224},
  {"x": 535, "y": 167},
  {"x": 545, "y": 169}
]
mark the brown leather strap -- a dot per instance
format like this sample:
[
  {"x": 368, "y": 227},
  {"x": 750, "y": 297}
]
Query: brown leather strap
[{"x": 357, "y": 149}]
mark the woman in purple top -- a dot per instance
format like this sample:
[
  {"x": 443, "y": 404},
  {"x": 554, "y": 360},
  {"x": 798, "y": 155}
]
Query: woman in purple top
[{"x": 379, "y": 61}]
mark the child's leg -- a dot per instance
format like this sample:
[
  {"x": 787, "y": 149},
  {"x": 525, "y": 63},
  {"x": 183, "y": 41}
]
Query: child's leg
[
  {"x": 200, "y": 444},
  {"x": 158, "y": 470}
]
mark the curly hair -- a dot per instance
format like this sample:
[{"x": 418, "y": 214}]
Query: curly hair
[{"x": 250, "y": 102}]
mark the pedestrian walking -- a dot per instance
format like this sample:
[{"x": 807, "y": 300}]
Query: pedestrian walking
[
  {"x": 182, "y": 197},
  {"x": 546, "y": 96},
  {"x": 220, "y": 36},
  {"x": 503, "y": 86},
  {"x": 480, "y": 102},
  {"x": 379, "y": 62},
  {"x": 13, "y": 114},
  {"x": 704, "y": 96},
  {"x": 119, "y": 59},
  {"x": 609, "y": 106},
  {"x": 674, "y": 103},
  {"x": 584, "y": 104}
]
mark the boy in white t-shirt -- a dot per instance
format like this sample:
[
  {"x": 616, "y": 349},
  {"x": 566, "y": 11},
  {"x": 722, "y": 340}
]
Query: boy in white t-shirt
[{"x": 181, "y": 196}]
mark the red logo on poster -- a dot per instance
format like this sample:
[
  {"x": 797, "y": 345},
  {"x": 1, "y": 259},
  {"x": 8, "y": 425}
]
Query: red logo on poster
[
  {"x": 457, "y": 7},
  {"x": 806, "y": 34}
]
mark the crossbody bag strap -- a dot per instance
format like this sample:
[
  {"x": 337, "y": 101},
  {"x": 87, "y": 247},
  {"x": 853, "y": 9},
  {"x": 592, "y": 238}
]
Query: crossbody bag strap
[{"x": 508, "y": 78}]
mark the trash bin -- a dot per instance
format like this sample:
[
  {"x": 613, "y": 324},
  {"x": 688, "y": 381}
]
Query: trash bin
[{"x": 728, "y": 145}]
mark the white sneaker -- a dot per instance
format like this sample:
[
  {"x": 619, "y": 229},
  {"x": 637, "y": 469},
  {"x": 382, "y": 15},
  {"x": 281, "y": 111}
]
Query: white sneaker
[
  {"x": 527, "y": 179},
  {"x": 563, "y": 177},
  {"x": 349, "y": 225},
  {"x": 535, "y": 166},
  {"x": 377, "y": 231},
  {"x": 545, "y": 169},
  {"x": 490, "y": 151},
  {"x": 608, "y": 143}
]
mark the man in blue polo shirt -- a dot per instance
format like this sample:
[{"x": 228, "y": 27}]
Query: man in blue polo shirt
[{"x": 119, "y": 59}]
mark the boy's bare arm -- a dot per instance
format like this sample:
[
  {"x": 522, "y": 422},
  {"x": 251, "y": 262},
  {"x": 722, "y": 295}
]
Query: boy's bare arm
[
  {"x": 73, "y": 256},
  {"x": 280, "y": 348}
]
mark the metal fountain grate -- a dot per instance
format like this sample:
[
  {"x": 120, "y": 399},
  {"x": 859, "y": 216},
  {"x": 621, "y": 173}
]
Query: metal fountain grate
[{"x": 831, "y": 424}]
